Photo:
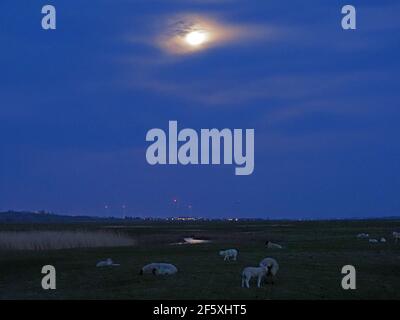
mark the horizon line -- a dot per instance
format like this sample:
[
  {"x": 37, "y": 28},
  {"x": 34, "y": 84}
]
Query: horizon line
[{"x": 188, "y": 218}]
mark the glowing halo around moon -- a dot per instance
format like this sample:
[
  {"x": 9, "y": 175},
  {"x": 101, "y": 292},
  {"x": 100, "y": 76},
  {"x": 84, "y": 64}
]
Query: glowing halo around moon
[
  {"x": 191, "y": 39},
  {"x": 196, "y": 38},
  {"x": 188, "y": 33}
]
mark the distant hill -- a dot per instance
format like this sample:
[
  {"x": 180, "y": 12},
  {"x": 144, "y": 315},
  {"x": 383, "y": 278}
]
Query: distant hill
[{"x": 45, "y": 217}]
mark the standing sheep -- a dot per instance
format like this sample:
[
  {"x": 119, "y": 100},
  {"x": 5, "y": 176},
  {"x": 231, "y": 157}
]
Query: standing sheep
[
  {"x": 268, "y": 268},
  {"x": 230, "y": 253},
  {"x": 272, "y": 267},
  {"x": 252, "y": 272}
]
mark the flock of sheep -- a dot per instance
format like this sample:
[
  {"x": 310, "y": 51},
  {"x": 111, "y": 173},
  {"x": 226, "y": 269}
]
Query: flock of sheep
[
  {"x": 268, "y": 267},
  {"x": 396, "y": 236}
]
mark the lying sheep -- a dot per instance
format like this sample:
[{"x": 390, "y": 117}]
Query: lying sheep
[
  {"x": 363, "y": 235},
  {"x": 271, "y": 245},
  {"x": 373, "y": 241},
  {"x": 230, "y": 253},
  {"x": 383, "y": 240},
  {"x": 159, "y": 269},
  {"x": 106, "y": 263},
  {"x": 396, "y": 236}
]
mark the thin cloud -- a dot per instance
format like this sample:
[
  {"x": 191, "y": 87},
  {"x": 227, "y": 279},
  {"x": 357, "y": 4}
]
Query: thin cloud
[
  {"x": 235, "y": 92},
  {"x": 167, "y": 33},
  {"x": 219, "y": 33}
]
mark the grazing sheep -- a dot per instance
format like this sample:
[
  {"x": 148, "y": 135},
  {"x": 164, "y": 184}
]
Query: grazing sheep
[
  {"x": 159, "y": 269},
  {"x": 396, "y": 236},
  {"x": 373, "y": 241},
  {"x": 271, "y": 245},
  {"x": 106, "y": 263},
  {"x": 363, "y": 235},
  {"x": 383, "y": 240},
  {"x": 230, "y": 253},
  {"x": 252, "y": 272}
]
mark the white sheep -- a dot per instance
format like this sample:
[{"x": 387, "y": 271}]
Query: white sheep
[
  {"x": 383, "y": 240},
  {"x": 159, "y": 269},
  {"x": 363, "y": 235},
  {"x": 373, "y": 241},
  {"x": 230, "y": 253},
  {"x": 252, "y": 272},
  {"x": 271, "y": 264},
  {"x": 106, "y": 263},
  {"x": 271, "y": 245},
  {"x": 268, "y": 267},
  {"x": 396, "y": 236}
]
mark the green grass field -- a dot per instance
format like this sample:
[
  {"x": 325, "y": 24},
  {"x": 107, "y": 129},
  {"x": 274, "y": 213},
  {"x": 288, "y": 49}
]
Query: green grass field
[{"x": 310, "y": 263}]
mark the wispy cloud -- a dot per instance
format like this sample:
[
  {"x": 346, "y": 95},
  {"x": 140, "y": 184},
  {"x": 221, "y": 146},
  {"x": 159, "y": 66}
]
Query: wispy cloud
[
  {"x": 167, "y": 32},
  {"x": 233, "y": 91}
]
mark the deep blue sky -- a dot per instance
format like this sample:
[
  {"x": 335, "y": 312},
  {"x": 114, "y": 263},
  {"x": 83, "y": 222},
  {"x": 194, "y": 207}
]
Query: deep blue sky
[{"x": 76, "y": 103}]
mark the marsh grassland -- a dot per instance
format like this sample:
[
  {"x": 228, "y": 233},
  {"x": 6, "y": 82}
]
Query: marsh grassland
[{"x": 310, "y": 263}]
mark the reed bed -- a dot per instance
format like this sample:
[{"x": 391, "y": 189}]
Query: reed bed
[{"x": 53, "y": 240}]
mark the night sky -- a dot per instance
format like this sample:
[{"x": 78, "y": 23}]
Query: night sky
[{"x": 76, "y": 104}]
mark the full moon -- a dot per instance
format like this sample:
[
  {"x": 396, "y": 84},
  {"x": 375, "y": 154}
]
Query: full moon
[{"x": 196, "y": 38}]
